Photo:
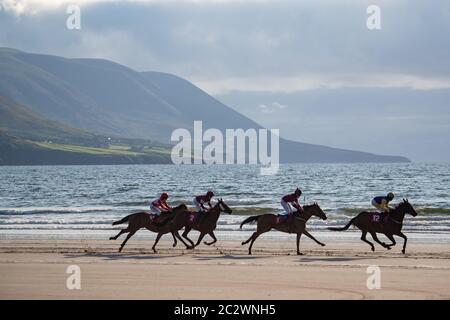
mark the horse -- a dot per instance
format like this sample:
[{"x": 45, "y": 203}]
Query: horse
[
  {"x": 206, "y": 224},
  {"x": 392, "y": 227},
  {"x": 266, "y": 222},
  {"x": 142, "y": 219}
]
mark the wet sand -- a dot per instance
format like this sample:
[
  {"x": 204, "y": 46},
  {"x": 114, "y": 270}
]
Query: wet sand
[{"x": 36, "y": 269}]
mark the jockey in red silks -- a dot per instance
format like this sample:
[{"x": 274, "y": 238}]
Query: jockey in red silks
[
  {"x": 160, "y": 205},
  {"x": 199, "y": 201},
  {"x": 292, "y": 199}
]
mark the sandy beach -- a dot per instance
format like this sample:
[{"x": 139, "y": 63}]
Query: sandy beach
[{"x": 36, "y": 269}]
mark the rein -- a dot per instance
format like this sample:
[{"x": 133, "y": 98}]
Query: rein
[{"x": 395, "y": 220}]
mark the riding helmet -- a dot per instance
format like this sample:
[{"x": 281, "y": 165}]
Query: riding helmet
[
  {"x": 298, "y": 192},
  {"x": 164, "y": 196},
  {"x": 210, "y": 194},
  {"x": 390, "y": 195}
]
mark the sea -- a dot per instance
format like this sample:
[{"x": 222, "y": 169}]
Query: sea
[{"x": 81, "y": 202}]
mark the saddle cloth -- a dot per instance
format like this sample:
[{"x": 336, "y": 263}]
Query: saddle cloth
[
  {"x": 377, "y": 217},
  {"x": 283, "y": 218},
  {"x": 192, "y": 216}
]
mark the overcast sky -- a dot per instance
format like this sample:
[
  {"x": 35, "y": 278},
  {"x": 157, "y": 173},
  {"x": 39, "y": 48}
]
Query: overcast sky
[{"x": 310, "y": 68}]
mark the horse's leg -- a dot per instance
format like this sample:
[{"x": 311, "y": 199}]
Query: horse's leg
[
  {"x": 254, "y": 236},
  {"x": 129, "y": 235},
  {"x": 311, "y": 237},
  {"x": 390, "y": 237},
  {"x": 211, "y": 234},
  {"x": 249, "y": 239},
  {"x": 181, "y": 239},
  {"x": 374, "y": 236},
  {"x": 200, "y": 238},
  {"x": 120, "y": 233},
  {"x": 156, "y": 241},
  {"x": 363, "y": 238},
  {"x": 298, "y": 244},
  {"x": 184, "y": 235},
  {"x": 174, "y": 240},
  {"x": 400, "y": 234}
]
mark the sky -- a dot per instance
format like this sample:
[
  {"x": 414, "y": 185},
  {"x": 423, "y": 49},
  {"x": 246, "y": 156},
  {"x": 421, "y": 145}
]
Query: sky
[{"x": 312, "y": 69}]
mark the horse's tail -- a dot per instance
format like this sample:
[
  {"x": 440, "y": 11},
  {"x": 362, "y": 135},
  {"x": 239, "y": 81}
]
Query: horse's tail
[
  {"x": 123, "y": 220},
  {"x": 343, "y": 228},
  {"x": 249, "y": 220}
]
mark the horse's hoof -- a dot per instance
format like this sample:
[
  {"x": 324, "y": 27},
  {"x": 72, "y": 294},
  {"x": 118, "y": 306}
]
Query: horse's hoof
[
  {"x": 373, "y": 249},
  {"x": 174, "y": 245},
  {"x": 120, "y": 250},
  {"x": 112, "y": 238},
  {"x": 403, "y": 251},
  {"x": 300, "y": 254},
  {"x": 387, "y": 247},
  {"x": 242, "y": 243},
  {"x": 323, "y": 244}
]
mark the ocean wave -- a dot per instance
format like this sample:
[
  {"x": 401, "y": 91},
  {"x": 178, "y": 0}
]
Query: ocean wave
[{"x": 50, "y": 210}]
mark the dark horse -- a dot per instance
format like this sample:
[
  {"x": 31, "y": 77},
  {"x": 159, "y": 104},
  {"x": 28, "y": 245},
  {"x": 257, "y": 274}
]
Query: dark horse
[
  {"x": 205, "y": 225},
  {"x": 393, "y": 226},
  {"x": 268, "y": 221},
  {"x": 141, "y": 219}
]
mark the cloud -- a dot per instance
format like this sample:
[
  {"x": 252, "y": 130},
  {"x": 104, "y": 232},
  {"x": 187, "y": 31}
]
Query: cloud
[
  {"x": 413, "y": 123},
  {"x": 24, "y": 7},
  {"x": 273, "y": 107},
  {"x": 239, "y": 45},
  {"x": 322, "y": 81}
]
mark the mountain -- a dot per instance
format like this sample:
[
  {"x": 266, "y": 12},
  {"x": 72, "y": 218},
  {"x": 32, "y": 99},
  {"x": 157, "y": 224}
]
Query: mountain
[
  {"x": 28, "y": 138},
  {"x": 105, "y": 98},
  {"x": 22, "y": 122}
]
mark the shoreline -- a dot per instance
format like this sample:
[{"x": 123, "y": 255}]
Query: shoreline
[{"x": 36, "y": 269}]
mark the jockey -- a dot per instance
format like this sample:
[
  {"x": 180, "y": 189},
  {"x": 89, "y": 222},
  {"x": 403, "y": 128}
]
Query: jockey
[
  {"x": 292, "y": 199},
  {"x": 199, "y": 201},
  {"x": 382, "y": 203},
  {"x": 160, "y": 205}
]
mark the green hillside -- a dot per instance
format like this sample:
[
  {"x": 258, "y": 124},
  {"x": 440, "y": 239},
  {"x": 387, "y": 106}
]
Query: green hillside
[{"x": 103, "y": 99}]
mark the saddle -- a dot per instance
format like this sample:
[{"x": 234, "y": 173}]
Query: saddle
[
  {"x": 284, "y": 218},
  {"x": 194, "y": 217},
  {"x": 157, "y": 218}
]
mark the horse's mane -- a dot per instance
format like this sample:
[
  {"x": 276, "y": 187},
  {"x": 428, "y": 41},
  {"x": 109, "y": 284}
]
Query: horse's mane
[
  {"x": 180, "y": 205},
  {"x": 400, "y": 204},
  {"x": 309, "y": 205}
]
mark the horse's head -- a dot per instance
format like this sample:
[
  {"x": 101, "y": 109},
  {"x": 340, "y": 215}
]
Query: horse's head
[
  {"x": 223, "y": 206},
  {"x": 406, "y": 207},
  {"x": 317, "y": 211}
]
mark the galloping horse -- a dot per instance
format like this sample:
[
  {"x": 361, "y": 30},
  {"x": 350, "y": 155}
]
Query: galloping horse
[
  {"x": 142, "y": 219},
  {"x": 206, "y": 225},
  {"x": 393, "y": 226},
  {"x": 268, "y": 221}
]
